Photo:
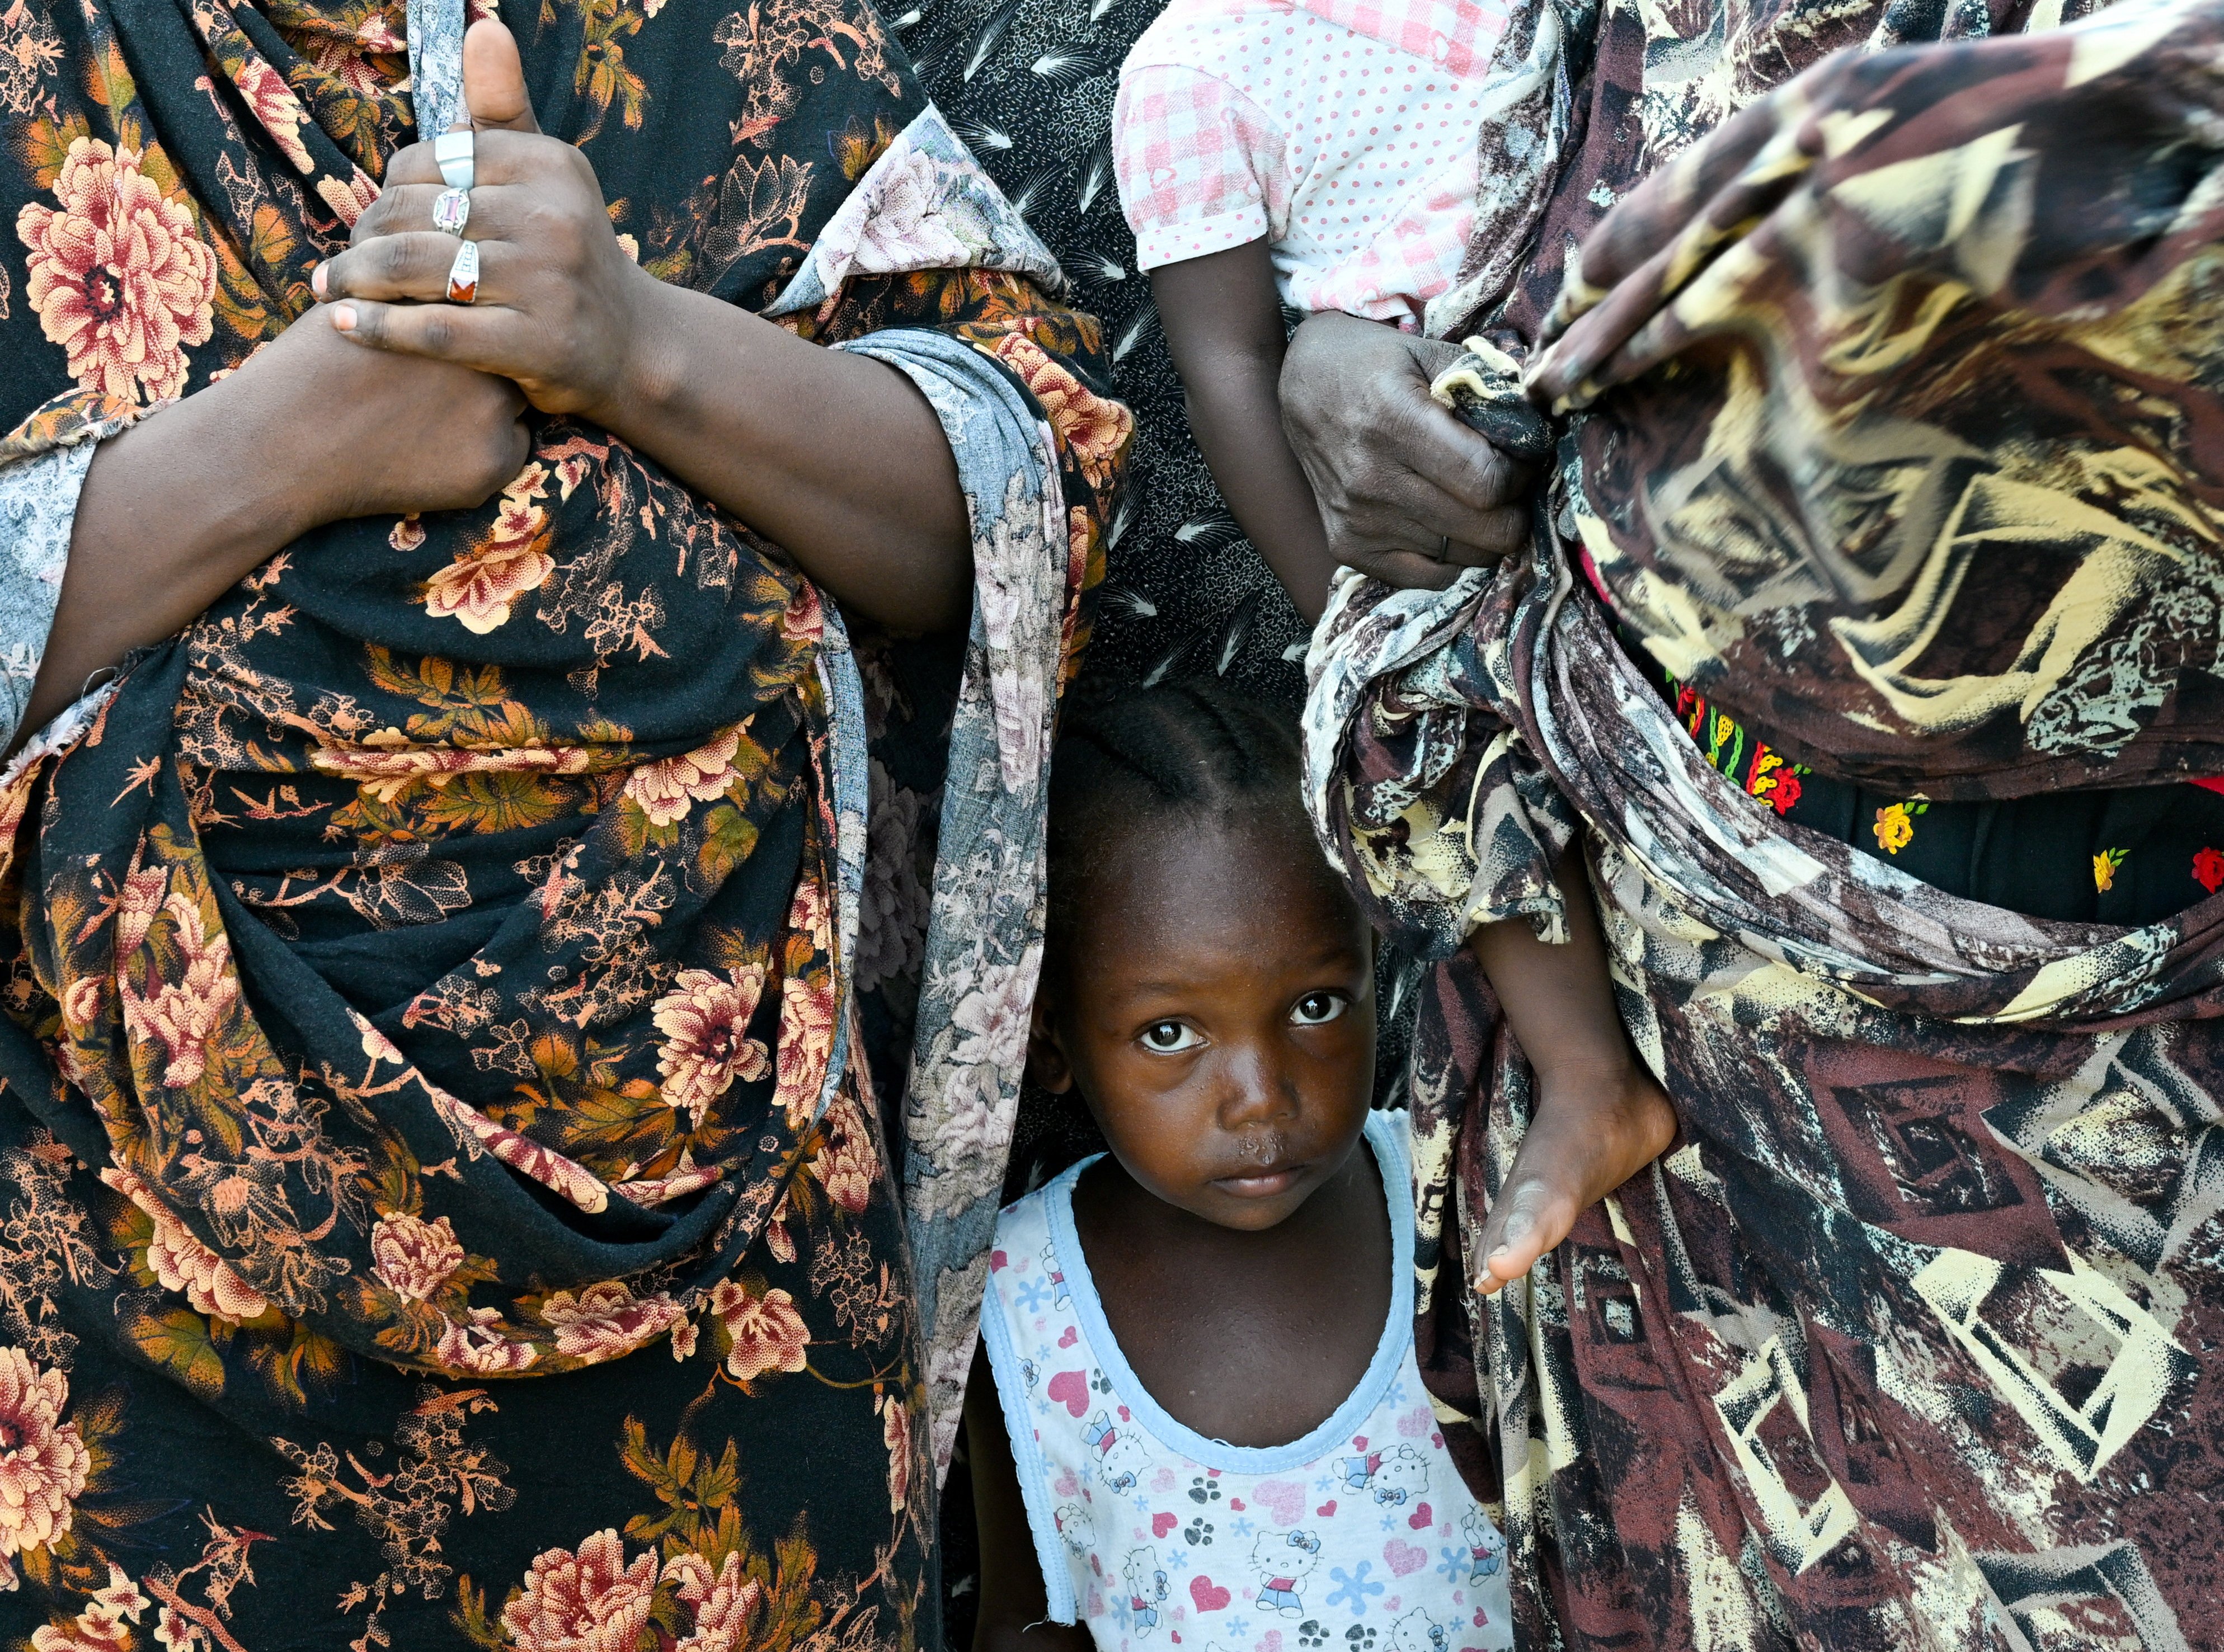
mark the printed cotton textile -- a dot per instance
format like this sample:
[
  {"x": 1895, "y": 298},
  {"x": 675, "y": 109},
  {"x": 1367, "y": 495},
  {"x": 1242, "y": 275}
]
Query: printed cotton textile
[
  {"x": 445, "y": 1203},
  {"x": 1342, "y": 136},
  {"x": 1363, "y": 1530},
  {"x": 1910, "y": 1342}
]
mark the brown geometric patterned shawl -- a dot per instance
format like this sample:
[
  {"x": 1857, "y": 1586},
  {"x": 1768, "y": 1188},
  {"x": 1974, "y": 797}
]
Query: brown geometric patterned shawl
[
  {"x": 434, "y": 968},
  {"x": 1910, "y": 1341}
]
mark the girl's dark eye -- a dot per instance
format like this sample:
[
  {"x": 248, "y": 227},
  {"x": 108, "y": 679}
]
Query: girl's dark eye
[
  {"x": 1317, "y": 1009},
  {"x": 1170, "y": 1037}
]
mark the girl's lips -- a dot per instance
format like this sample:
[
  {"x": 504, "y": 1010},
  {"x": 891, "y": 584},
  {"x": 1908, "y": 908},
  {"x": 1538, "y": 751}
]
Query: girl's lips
[{"x": 1262, "y": 1185}]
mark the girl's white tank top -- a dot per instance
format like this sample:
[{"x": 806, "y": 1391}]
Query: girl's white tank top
[{"x": 1359, "y": 1537}]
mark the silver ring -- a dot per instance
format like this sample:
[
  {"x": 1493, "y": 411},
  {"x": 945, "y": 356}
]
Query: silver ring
[
  {"x": 463, "y": 274},
  {"x": 452, "y": 210},
  {"x": 455, "y": 152}
]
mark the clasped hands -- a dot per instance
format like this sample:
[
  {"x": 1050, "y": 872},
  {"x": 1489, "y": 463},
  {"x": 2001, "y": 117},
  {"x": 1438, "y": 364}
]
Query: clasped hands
[{"x": 562, "y": 311}]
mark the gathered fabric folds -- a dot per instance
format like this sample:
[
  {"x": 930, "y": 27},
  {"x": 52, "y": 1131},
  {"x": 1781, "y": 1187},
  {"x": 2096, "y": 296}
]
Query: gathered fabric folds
[
  {"x": 1910, "y": 1340},
  {"x": 462, "y": 994}
]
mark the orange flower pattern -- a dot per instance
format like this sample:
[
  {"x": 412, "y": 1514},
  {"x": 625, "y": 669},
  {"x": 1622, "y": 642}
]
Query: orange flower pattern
[
  {"x": 439, "y": 1001},
  {"x": 119, "y": 276}
]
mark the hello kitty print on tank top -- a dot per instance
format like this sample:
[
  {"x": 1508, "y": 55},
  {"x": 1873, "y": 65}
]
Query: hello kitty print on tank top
[{"x": 1359, "y": 1537}]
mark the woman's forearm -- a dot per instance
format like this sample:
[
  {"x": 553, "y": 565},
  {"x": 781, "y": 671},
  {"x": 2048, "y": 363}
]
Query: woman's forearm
[
  {"x": 835, "y": 457},
  {"x": 174, "y": 512},
  {"x": 180, "y": 508}
]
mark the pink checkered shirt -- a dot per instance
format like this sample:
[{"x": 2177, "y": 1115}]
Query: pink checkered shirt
[{"x": 1342, "y": 132}]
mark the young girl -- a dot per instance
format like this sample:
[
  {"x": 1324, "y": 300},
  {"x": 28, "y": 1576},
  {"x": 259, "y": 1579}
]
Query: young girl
[
  {"x": 1318, "y": 154},
  {"x": 1323, "y": 154},
  {"x": 1205, "y": 1425}
]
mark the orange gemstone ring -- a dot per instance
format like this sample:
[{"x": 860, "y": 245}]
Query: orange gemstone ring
[{"x": 463, "y": 274}]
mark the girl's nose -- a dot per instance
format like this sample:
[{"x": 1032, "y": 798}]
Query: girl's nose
[{"x": 1256, "y": 1088}]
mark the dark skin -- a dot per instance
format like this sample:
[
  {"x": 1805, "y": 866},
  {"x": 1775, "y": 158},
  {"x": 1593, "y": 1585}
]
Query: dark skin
[
  {"x": 1600, "y": 1114},
  {"x": 1392, "y": 471},
  {"x": 1416, "y": 512},
  {"x": 1215, "y": 1011},
  {"x": 372, "y": 407}
]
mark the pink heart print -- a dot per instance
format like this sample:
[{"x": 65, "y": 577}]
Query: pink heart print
[
  {"x": 1071, "y": 1390},
  {"x": 1161, "y": 1523},
  {"x": 1402, "y": 1557},
  {"x": 1326, "y": 1509},
  {"x": 1206, "y": 1595},
  {"x": 1069, "y": 1338},
  {"x": 1284, "y": 1499},
  {"x": 1421, "y": 1519}
]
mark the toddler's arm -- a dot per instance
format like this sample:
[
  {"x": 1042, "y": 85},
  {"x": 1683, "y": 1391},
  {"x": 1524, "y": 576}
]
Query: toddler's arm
[
  {"x": 1600, "y": 1118},
  {"x": 1224, "y": 323},
  {"x": 1014, "y": 1607}
]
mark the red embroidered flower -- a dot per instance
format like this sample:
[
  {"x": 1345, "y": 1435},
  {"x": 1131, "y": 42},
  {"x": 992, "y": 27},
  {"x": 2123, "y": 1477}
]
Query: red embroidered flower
[
  {"x": 846, "y": 1165},
  {"x": 1786, "y": 793},
  {"x": 722, "y": 1605},
  {"x": 705, "y": 1022},
  {"x": 607, "y": 1319},
  {"x": 666, "y": 789},
  {"x": 43, "y": 1463},
  {"x": 184, "y": 1014},
  {"x": 477, "y": 1343},
  {"x": 769, "y": 1334},
  {"x": 1094, "y": 429},
  {"x": 117, "y": 276},
  {"x": 413, "y": 1257},
  {"x": 591, "y": 1601},
  {"x": 181, "y": 1263},
  {"x": 2208, "y": 869}
]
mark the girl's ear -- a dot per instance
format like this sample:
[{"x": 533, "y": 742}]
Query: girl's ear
[{"x": 1046, "y": 1063}]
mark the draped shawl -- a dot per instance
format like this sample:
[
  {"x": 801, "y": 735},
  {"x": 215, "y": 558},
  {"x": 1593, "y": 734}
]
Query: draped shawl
[
  {"x": 1910, "y": 1340},
  {"x": 442, "y": 960}
]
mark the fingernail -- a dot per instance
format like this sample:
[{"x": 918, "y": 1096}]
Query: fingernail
[
  {"x": 344, "y": 317},
  {"x": 317, "y": 281}
]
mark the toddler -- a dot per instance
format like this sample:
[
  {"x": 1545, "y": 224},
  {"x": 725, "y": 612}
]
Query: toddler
[
  {"x": 1197, "y": 1417},
  {"x": 1321, "y": 155}
]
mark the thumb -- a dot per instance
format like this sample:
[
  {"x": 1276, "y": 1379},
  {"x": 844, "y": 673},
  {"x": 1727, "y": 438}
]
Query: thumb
[{"x": 494, "y": 79}]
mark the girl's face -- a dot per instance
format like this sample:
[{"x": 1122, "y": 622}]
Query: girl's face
[{"x": 1215, "y": 1007}]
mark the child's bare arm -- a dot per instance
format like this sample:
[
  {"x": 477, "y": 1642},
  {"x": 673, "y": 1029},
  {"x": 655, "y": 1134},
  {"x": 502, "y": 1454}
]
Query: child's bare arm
[
  {"x": 1600, "y": 1117},
  {"x": 1224, "y": 323},
  {"x": 1014, "y": 1607}
]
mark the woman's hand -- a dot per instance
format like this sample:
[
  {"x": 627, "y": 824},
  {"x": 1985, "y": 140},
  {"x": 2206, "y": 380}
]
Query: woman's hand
[
  {"x": 766, "y": 425},
  {"x": 561, "y": 309},
  {"x": 310, "y": 430},
  {"x": 1408, "y": 494}
]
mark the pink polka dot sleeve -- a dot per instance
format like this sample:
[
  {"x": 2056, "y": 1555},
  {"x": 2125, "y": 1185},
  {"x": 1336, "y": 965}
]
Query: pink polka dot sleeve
[{"x": 1194, "y": 158}]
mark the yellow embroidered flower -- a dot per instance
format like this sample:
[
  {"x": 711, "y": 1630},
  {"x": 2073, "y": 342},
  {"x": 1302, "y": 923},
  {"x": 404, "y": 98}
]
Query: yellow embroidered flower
[
  {"x": 2104, "y": 868},
  {"x": 1894, "y": 830}
]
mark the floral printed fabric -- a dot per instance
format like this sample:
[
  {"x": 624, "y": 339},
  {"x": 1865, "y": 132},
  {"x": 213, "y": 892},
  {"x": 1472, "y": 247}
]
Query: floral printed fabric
[
  {"x": 1910, "y": 1342},
  {"x": 38, "y": 503},
  {"x": 445, "y": 1190},
  {"x": 1361, "y": 1534}
]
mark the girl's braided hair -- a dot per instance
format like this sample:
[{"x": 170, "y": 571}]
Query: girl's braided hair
[{"x": 1194, "y": 748}]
